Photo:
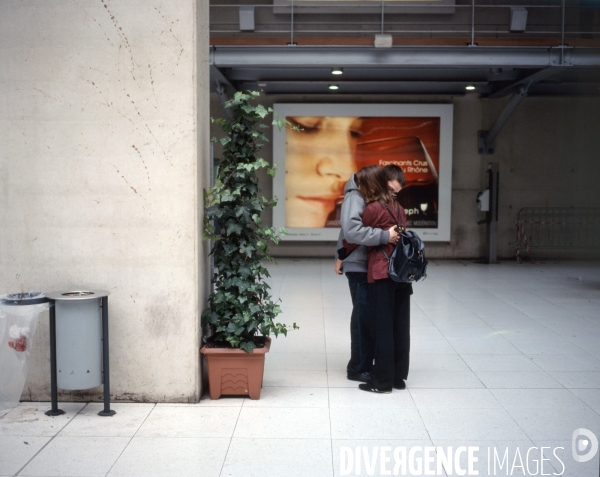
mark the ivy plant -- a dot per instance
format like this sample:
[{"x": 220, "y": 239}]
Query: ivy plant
[{"x": 240, "y": 306}]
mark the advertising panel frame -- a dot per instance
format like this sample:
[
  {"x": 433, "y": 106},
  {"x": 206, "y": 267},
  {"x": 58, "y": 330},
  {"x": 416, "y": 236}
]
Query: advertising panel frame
[{"x": 444, "y": 112}]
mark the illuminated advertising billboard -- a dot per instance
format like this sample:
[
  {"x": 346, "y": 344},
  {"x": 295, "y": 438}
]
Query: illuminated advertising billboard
[{"x": 336, "y": 141}]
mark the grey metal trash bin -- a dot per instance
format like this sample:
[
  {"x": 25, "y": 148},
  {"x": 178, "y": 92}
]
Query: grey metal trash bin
[{"x": 79, "y": 343}]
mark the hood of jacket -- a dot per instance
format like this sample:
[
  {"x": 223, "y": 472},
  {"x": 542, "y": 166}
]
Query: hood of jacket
[{"x": 351, "y": 184}]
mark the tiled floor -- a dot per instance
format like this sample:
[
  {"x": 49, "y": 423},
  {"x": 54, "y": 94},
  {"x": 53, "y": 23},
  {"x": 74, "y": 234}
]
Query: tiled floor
[{"x": 504, "y": 357}]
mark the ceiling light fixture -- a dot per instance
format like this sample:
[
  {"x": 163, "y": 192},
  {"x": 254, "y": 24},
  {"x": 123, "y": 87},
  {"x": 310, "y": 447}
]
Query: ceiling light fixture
[
  {"x": 334, "y": 86},
  {"x": 337, "y": 71},
  {"x": 470, "y": 87}
]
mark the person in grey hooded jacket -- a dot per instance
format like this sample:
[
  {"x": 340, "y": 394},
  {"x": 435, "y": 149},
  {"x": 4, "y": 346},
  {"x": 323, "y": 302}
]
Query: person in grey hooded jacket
[{"x": 354, "y": 265}]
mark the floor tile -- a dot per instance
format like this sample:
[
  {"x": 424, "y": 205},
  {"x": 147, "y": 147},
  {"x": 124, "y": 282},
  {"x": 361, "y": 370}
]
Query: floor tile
[
  {"x": 298, "y": 344},
  {"x": 283, "y": 423},
  {"x": 471, "y": 424},
  {"x": 535, "y": 346},
  {"x": 290, "y": 397},
  {"x": 561, "y": 362},
  {"x": 313, "y": 317},
  {"x": 454, "y": 399},
  {"x": 17, "y": 451},
  {"x": 538, "y": 399},
  {"x": 295, "y": 378},
  {"x": 517, "y": 379},
  {"x": 372, "y": 423},
  {"x": 590, "y": 396},
  {"x": 436, "y": 362},
  {"x": 576, "y": 379},
  {"x": 337, "y": 345},
  {"x": 355, "y": 398},
  {"x": 286, "y": 457},
  {"x": 452, "y": 330},
  {"x": 30, "y": 416},
  {"x": 190, "y": 422},
  {"x": 555, "y": 424},
  {"x": 339, "y": 379},
  {"x": 425, "y": 333},
  {"x": 206, "y": 401},
  {"x": 432, "y": 379},
  {"x": 171, "y": 456},
  {"x": 76, "y": 457},
  {"x": 490, "y": 362},
  {"x": 307, "y": 361},
  {"x": 125, "y": 423},
  {"x": 338, "y": 361},
  {"x": 489, "y": 346},
  {"x": 431, "y": 346}
]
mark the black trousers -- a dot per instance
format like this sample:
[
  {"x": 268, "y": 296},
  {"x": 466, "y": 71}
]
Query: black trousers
[
  {"x": 390, "y": 315},
  {"x": 361, "y": 339}
]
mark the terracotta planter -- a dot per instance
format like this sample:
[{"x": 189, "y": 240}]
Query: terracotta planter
[{"x": 235, "y": 372}]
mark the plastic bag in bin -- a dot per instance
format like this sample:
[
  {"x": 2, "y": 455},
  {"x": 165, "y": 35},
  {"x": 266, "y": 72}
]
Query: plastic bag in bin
[
  {"x": 19, "y": 314},
  {"x": 18, "y": 338}
]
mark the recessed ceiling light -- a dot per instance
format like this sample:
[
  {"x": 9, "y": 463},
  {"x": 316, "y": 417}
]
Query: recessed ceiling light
[
  {"x": 337, "y": 71},
  {"x": 470, "y": 87},
  {"x": 334, "y": 86}
]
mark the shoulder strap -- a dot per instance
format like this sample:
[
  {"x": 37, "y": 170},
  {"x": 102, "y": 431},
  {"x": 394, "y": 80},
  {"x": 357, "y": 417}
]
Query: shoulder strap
[
  {"x": 401, "y": 223},
  {"x": 391, "y": 213},
  {"x": 403, "y": 216},
  {"x": 387, "y": 257}
]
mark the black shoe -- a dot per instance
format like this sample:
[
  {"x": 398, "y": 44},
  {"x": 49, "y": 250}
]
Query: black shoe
[
  {"x": 372, "y": 389},
  {"x": 363, "y": 377},
  {"x": 400, "y": 384}
]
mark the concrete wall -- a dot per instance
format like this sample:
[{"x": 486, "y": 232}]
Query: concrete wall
[
  {"x": 547, "y": 153},
  {"x": 101, "y": 165}
]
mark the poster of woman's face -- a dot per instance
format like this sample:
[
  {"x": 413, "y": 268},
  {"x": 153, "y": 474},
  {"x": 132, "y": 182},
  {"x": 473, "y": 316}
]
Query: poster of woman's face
[{"x": 335, "y": 141}]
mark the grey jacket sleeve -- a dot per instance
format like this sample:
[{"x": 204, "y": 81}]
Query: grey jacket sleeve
[{"x": 352, "y": 227}]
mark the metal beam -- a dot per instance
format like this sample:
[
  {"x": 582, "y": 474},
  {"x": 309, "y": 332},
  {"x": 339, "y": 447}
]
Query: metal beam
[
  {"x": 531, "y": 79},
  {"x": 369, "y": 57},
  {"x": 368, "y": 87},
  {"x": 485, "y": 139}
]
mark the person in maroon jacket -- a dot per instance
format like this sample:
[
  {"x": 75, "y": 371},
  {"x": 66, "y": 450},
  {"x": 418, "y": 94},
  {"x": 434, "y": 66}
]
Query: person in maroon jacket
[{"x": 389, "y": 300}]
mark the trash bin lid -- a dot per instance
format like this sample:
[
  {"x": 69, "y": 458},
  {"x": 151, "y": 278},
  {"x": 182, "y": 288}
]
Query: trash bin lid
[
  {"x": 77, "y": 294},
  {"x": 23, "y": 299}
]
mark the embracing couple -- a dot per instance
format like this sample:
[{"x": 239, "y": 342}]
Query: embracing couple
[{"x": 380, "y": 323}]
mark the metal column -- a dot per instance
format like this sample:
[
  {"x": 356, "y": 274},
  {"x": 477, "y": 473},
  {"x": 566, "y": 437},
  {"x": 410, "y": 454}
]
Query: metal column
[{"x": 491, "y": 245}]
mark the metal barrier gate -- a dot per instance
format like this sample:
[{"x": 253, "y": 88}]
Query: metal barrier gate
[{"x": 558, "y": 228}]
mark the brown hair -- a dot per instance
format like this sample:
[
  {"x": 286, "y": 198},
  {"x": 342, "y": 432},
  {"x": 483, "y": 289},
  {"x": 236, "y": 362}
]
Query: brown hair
[
  {"x": 372, "y": 184},
  {"x": 392, "y": 172}
]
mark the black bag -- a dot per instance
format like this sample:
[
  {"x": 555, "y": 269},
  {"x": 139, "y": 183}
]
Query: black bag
[{"x": 407, "y": 263}]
